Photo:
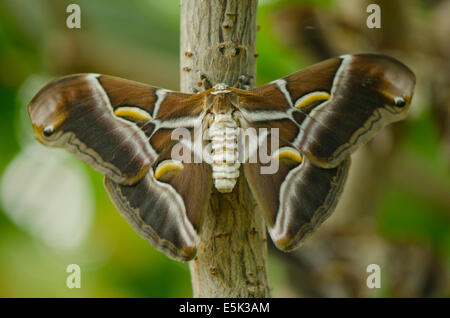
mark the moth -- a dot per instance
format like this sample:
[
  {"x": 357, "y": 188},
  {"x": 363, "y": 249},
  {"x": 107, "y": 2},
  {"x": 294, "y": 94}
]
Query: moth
[{"x": 124, "y": 130}]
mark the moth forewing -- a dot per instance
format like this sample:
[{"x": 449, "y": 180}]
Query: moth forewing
[{"x": 74, "y": 112}]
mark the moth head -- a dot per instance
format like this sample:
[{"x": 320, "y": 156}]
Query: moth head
[
  {"x": 221, "y": 99},
  {"x": 220, "y": 88}
]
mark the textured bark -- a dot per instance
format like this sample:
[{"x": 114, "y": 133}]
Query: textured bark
[{"x": 218, "y": 46}]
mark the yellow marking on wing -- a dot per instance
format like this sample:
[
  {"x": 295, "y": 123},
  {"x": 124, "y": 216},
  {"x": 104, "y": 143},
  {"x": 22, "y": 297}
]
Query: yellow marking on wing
[
  {"x": 310, "y": 98},
  {"x": 132, "y": 112},
  {"x": 166, "y": 166},
  {"x": 38, "y": 133},
  {"x": 288, "y": 152}
]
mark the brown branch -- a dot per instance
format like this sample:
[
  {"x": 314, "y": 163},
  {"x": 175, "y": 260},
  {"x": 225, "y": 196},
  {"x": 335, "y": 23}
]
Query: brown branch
[{"x": 218, "y": 46}]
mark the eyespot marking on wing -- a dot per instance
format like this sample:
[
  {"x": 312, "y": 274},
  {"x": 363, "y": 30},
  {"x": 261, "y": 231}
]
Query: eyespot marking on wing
[
  {"x": 166, "y": 166},
  {"x": 48, "y": 131},
  {"x": 132, "y": 112},
  {"x": 288, "y": 152},
  {"x": 399, "y": 101},
  {"x": 311, "y": 98}
]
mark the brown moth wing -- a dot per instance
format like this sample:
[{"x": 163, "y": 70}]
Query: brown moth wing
[
  {"x": 168, "y": 213},
  {"x": 369, "y": 92},
  {"x": 75, "y": 113},
  {"x": 297, "y": 198},
  {"x": 278, "y": 95},
  {"x": 338, "y": 104},
  {"x": 106, "y": 121},
  {"x": 123, "y": 129},
  {"x": 167, "y": 206},
  {"x": 271, "y": 105},
  {"x": 157, "y": 102},
  {"x": 308, "y": 196}
]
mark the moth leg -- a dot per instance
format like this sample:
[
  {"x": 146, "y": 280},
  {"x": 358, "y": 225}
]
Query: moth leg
[
  {"x": 244, "y": 82},
  {"x": 205, "y": 82}
]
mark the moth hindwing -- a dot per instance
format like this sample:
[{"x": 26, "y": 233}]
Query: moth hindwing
[{"x": 163, "y": 152}]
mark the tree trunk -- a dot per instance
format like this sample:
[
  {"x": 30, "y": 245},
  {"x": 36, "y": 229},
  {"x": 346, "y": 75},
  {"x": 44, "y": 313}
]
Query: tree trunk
[{"x": 218, "y": 46}]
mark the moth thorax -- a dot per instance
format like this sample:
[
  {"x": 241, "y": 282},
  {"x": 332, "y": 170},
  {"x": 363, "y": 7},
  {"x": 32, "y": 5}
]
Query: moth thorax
[{"x": 223, "y": 132}]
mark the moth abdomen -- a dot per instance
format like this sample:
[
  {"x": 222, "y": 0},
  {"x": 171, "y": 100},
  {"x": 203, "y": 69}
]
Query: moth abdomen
[{"x": 223, "y": 133}]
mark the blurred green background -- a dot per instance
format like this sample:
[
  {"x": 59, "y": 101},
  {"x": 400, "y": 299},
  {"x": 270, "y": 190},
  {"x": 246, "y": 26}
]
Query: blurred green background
[{"x": 395, "y": 210}]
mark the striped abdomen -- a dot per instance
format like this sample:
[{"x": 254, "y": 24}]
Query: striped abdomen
[{"x": 223, "y": 132}]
